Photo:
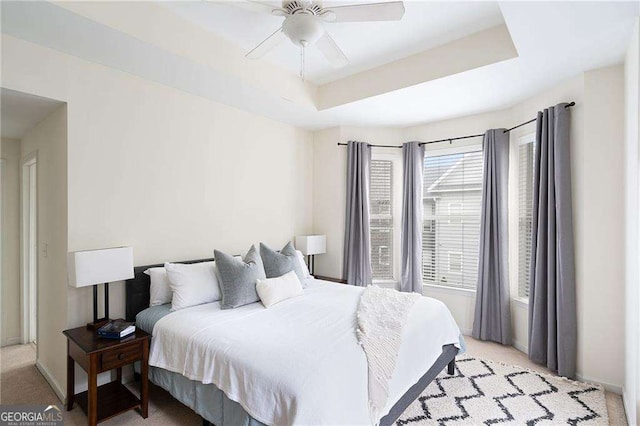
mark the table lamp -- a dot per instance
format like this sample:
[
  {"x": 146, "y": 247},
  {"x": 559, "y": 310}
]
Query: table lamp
[
  {"x": 102, "y": 266},
  {"x": 310, "y": 245}
]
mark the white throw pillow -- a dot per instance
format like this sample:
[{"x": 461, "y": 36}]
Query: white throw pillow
[
  {"x": 303, "y": 264},
  {"x": 160, "y": 290},
  {"x": 193, "y": 284},
  {"x": 275, "y": 290}
]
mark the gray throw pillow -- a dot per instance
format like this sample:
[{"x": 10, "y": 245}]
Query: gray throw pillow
[
  {"x": 277, "y": 264},
  {"x": 238, "y": 278}
]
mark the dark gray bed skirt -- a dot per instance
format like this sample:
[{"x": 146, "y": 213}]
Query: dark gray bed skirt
[
  {"x": 213, "y": 405},
  {"x": 448, "y": 355}
]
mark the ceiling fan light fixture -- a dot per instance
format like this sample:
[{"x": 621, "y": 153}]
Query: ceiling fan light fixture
[
  {"x": 304, "y": 25},
  {"x": 303, "y": 29}
]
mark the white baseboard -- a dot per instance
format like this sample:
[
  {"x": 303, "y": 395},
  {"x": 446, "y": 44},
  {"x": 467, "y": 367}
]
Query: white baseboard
[
  {"x": 627, "y": 411},
  {"x": 521, "y": 347},
  {"x": 608, "y": 386},
  {"x": 52, "y": 382},
  {"x": 11, "y": 341},
  {"x": 617, "y": 389}
]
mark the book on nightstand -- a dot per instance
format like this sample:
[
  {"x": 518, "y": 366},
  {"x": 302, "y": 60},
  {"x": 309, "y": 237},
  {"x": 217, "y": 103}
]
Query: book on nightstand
[{"x": 116, "y": 329}]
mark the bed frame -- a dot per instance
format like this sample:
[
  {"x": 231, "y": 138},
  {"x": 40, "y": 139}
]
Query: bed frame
[{"x": 137, "y": 299}]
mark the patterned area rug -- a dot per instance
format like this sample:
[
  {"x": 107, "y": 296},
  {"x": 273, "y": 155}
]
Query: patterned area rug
[{"x": 484, "y": 393}]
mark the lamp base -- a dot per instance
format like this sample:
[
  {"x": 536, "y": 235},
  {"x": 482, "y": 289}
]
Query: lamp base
[
  {"x": 97, "y": 323},
  {"x": 311, "y": 263}
]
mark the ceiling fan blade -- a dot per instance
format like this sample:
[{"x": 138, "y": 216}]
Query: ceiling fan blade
[
  {"x": 328, "y": 47},
  {"x": 267, "y": 44},
  {"x": 256, "y": 6},
  {"x": 390, "y": 11}
]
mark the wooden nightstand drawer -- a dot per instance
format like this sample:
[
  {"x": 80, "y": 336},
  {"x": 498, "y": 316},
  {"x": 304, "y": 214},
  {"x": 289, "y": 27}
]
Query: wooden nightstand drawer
[{"x": 121, "y": 356}]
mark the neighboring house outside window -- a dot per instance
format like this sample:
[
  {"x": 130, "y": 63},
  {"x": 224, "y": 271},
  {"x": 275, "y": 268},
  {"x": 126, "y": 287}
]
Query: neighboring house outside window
[
  {"x": 455, "y": 212},
  {"x": 451, "y": 227}
]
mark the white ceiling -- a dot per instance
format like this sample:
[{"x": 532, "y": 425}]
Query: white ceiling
[
  {"x": 20, "y": 112},
  {"x": 554, "y": 40},
  {"x": 366, "y": 44}
]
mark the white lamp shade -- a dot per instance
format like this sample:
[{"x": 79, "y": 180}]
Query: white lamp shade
[
  {"x": 312, "y": 244},
  {"x": 91, "y": 267}
]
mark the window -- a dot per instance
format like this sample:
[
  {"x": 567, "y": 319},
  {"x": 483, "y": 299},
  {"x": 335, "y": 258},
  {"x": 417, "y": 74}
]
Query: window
[
  {"x": 451, "y": 228},
  {"x": 455, "y": 212},
  {"x": 526, "y": 153},
  {"x": 381, "y": 219},
  {"x": 455, "y": 261}
]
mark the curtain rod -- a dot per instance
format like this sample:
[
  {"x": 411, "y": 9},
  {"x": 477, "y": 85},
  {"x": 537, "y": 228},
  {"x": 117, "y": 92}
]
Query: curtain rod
[{"x": 459, "y": 137}]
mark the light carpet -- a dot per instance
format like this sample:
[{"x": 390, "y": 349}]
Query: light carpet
[
  {"x": 21, "y": 383},
  {"x": 483, "y": 392}
]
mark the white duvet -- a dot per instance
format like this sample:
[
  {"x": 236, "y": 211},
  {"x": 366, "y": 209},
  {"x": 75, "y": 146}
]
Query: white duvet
[{"x": 298, "y": 362}]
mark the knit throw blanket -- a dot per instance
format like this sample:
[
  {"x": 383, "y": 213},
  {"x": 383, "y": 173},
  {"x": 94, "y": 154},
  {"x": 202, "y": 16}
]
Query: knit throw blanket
[{"x": 382, "y": 314}]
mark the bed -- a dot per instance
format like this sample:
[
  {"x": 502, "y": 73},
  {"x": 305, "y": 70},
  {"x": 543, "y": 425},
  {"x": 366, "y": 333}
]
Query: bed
[{"x": 215, "y": 362}]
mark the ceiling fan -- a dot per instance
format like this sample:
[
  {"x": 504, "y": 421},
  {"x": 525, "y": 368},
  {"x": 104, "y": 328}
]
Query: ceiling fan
[{"x": 304, "y": 22}]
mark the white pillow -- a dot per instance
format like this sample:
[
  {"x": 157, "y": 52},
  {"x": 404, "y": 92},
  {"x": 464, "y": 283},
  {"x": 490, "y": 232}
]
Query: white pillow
[
  {"x": 159, "y": 291},
  {"x": 303, "y": 264},
  {"x": 193, "y": 284},
  {"x": 275, "y": 290}
]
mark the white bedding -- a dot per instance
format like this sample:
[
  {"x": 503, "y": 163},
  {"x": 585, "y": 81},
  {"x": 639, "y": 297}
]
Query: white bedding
[{"x": 299, "y": 361}]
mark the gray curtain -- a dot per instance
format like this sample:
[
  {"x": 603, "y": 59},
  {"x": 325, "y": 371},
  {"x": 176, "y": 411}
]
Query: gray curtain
[
  {"x": 413, "y": 165},
  {"x": 552, "y": 292},
  {"x": 357, "y": 240},
  {"x": 492, "y": 316}
]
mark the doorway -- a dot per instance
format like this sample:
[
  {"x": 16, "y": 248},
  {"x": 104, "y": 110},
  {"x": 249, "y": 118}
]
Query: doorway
[{"x": 29, "y": 245}]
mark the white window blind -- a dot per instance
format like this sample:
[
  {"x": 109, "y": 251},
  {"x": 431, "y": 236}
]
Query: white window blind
[
  {"x": 526, "y": 153},
  {"x": 381, "y": 219},
  {"x": 451, "y": 232}
]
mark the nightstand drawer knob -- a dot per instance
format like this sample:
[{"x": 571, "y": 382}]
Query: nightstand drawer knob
[{"x": 121, "y": 356}]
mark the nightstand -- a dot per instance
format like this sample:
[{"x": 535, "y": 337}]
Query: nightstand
[
  {"x": 96, "y": 355},
  {"x": 335, "y": 280}
]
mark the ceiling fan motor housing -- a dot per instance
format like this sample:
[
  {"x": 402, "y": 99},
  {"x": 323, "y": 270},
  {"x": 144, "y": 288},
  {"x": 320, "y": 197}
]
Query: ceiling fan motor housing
[
  {"x": 303, "y": 29},
  {"x": 306, "y": 6}
]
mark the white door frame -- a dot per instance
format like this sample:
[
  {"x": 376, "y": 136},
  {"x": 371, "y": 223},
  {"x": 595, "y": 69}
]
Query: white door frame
[
  {"x": 29, "y": 246},
  {"x": 2, "y": 226}
]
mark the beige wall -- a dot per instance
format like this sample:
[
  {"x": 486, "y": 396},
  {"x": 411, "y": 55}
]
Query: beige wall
[
  {"x": 597, "y": 173},
  {"x": 169, "y": 173},
  {"x": 329, "y": 196},
  {"x": 632, "y": 228},
  {"x": 48, "y": 141},
  {"x": 599, "y": 221},
  {"x": 329, "y": 187},
  {"x": 10, "y": 332}
]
